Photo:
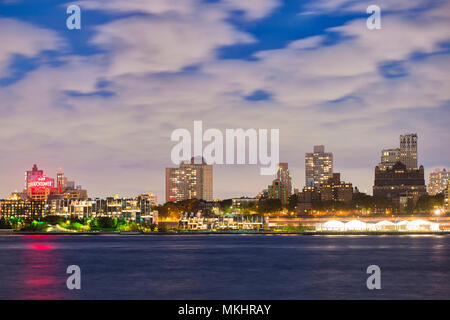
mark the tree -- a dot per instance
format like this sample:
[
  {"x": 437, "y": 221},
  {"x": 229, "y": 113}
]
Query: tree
[
  {"x": 427, "y": 203},
  {"x": 5, "y": 224},
  {"x": 292, "y": 204},
  {"x": 269, "y": 205}
]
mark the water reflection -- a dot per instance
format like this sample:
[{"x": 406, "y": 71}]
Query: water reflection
[{"x": 39, "y": 272}]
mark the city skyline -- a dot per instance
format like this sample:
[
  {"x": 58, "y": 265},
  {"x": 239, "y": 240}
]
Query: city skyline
[
  {"x": 196, "y": 172},
  {"x": 101, "y": 102}
]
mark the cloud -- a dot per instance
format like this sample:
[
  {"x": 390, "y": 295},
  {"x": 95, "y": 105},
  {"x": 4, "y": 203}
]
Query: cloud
[
  {"x": 319, "y": 94},
  {"x": 165, "y": 44},
  {"x": 19, "y": 38},
  {"x": 253, "y": 9}
]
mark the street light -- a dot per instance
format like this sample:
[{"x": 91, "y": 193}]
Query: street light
[{"x": 437, "y": 212}]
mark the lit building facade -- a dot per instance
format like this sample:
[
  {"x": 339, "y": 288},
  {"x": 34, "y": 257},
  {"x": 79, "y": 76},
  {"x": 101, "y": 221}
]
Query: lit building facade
[
  {"x": 307, "y": 198},
  {"x": 133, "y": 209},
  {"x": 25, "y": 209},
  {"x": 406, "y": 153},
  {"x": 189, "y": 181},
  {"x": 277, "y": 190},
  {"x": 318, "y": 166},
  {"x": 438, "y": 181},
  {"x": 399, "y": 183},
  {"x": 447, "y": 199},
  {"x": 284, "y": 177},
  {"x": 336, "y": 190},
  {"x": 408, "y": 150}
]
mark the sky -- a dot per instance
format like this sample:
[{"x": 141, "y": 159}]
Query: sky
[{"x": 101, "y": 102}]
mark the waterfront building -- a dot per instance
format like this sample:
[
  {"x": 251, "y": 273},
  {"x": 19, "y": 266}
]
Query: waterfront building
[
  {"x": 189, "y": 181},
  {"x": 438, "y": 181},
  {"x": 399, "y": 184},
  {"x": 25, "y": 209},
  {"x": 132, "y": 209},
  {"x": 227, "y": 222},
  {"x": 318, "y": 166},
  {"x": 152, "y": 198}
]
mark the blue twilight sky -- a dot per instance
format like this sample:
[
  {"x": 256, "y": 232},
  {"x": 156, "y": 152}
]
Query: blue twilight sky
[{"x": 102, "y": 102}]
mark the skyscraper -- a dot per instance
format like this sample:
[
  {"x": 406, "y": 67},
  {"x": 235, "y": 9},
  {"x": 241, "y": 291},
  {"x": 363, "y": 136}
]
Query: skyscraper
[
  {"x": 284, "y": 177},
  {"x": 408, "y": 150},
  {"x": 318, "y": 166},
  {"x": 438, "y": 181},
  {"x": 406, "y": 154},
  {"x": 189, "y": 181}
]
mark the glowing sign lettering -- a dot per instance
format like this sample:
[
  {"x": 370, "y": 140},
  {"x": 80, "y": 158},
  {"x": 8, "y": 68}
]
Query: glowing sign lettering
[{"x": 41, "y": 183}]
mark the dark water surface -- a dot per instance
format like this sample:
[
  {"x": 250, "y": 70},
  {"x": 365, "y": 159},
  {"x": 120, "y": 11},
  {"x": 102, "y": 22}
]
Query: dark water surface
[{"x": 225, "y": 267}]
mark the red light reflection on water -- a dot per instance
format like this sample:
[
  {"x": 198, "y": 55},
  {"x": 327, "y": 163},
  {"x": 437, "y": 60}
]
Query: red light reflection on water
[
  {"x": 40, "y": 246},
  {"x": 40, "y": 275}
]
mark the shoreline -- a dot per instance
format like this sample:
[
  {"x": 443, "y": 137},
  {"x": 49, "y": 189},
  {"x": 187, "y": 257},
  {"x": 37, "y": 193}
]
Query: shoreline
[{"x": 305, "y": 233}]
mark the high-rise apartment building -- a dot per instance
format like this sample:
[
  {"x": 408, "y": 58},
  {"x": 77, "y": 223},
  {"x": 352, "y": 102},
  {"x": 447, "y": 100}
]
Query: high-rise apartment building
[
  {"x": 318, "y": 166},
  {"x": 277, "y": 190},
  {"x": 284, "y": 177},
  {"x": 438, "y": 181},
  {"x": 189, "y": 181}
]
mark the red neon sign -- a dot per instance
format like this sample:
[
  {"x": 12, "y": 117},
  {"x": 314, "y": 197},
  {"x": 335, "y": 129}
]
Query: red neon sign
[{"x": 41, "y": 183}]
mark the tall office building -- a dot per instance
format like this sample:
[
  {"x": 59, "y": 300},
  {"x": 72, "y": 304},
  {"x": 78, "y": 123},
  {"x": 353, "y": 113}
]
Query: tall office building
[
  {"x": 318, "y": 167},
  {"x": 284, "y": 177},
  {"x": 438, "y": 181},
  {"x": 189, "y": 181},
  {"x": 408, "y": 150},
  {"x": 406, "y": 154}
]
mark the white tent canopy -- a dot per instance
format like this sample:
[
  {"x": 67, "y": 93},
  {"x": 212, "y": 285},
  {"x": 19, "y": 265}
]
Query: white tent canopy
[
  {"x": 422, "y": 225},
  {"x": 385, "y": 225},
  {"x": 356, "y": 225},
  {"x": 333, "y": 225}
]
